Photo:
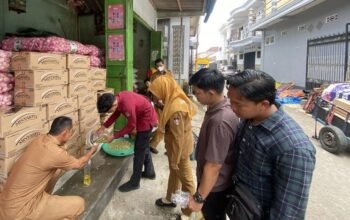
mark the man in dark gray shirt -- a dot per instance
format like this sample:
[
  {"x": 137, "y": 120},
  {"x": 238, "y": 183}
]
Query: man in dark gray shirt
[{"x": 215, "y": 145}]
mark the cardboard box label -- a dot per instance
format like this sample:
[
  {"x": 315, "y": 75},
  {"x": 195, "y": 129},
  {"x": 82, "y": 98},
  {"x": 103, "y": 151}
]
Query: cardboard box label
[
  {"x": 42, "y": 96},
  {"x": 40, "y": 78},
  {"x": 20, "y": 118},
  {"x": 98, "y": 73},
  {"x": 98, "y": 85},
  {"x": 10, "y": 144},
  {"x": 37, "y": 61},
  {"x": 61, "y": 108},
  {"x": 89, "y": 99},
  {"x": 75, "y": 61},
  {"x": 78, "y": 89},
  {"x": 78, "y": 75}
]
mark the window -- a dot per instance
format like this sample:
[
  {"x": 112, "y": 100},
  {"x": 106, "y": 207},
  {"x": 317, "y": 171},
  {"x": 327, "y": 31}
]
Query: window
[
  {"x": 269, "y": 40},
  {"x": 241, "y": 56},
  {"x": 258, "y": 54}
]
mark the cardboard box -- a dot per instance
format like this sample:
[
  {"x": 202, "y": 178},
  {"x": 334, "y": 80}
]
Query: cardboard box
[
  {"x": 341, "y": 108},
  {"x": 105, "y": 90},
  {"x": 89, "y": 99},
  {"x": 76, "y": 61},
  {"x": 79, "y": 89},
  {"x": 40, "y": 78},
  {"x": 98, "y": 84},
  {"x": 17, "y": 119},
  {"x": 7, "y": 163},
  {"x": 62, "y": 107},
  {"x": 42, "y": 96},
  {"x": 38, "y": 61},
  {"x": 78, "y": 75},
  {"x": 73, "y": 115},
  {"x": 11, "y": 144},
  {"x": 74, "y": 143},
  {"x": 98, "y": 73},
  {"x": 91, "y": 123},
  {"x": 87, "y": 111}
]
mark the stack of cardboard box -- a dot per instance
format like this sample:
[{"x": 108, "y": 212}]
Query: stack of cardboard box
[{"x": 341, "y": 108}]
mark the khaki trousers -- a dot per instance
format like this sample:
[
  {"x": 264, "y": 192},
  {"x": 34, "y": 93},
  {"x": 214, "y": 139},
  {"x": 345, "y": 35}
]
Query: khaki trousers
[
  {"x": 181, "y": 179},
  {"x": 52, "y": 207}
]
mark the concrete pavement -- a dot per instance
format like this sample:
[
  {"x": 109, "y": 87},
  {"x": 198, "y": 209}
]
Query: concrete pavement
[{"x": 329, "y": 196}]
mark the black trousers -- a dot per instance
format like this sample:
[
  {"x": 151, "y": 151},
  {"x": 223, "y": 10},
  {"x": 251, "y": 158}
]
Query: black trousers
[
  {"x": 215, "y": 205},
  {"x": 142, "y": 157}
]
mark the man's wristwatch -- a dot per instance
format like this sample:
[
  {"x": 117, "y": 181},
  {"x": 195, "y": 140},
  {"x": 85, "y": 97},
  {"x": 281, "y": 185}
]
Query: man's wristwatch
[{"x": 198, "y": 198}]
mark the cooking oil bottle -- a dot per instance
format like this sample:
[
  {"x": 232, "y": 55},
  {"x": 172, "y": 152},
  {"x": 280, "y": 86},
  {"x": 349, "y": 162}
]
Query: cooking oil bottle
[{"x": 87, "y": 174}]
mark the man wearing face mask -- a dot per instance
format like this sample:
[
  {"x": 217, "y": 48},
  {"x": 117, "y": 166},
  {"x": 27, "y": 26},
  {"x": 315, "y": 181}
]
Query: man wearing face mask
[{"x": 160, "y": 70}]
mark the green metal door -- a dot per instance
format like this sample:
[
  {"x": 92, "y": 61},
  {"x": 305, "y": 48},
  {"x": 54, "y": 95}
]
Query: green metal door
[{"x": 156, "y": 46}]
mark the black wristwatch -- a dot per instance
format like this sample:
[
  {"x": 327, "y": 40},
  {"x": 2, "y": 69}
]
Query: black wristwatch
[{"x": 198, "y": 198}]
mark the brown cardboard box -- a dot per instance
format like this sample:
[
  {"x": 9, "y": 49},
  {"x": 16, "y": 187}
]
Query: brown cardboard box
[
  {"x": 42, "y": 96},
  {"x": 74, "y": 143},
  {"x": 40, "y": 78},
  {"x": 98, "y": 84},
  {"x": 75, "y": 61},
  {"x": 62, "y": 107},
  {"x": 7, "y": 163},
  {"x": 15, "y": 142},
  {"x": 79, "y": 89},
  {"x": 73, "y": 115},
  {"x": 105, "y": 90},
  {"x": 98, "y": 73},
  {"x": 17, "y": 119},
  {"x": 91, "y": 123},
  {"x": 87, "y": 111},
  {"x": 38, "y": 61},
  {"x": 78, "y": 75},
  {"x": 89, "y": 99},
  {"x": 341, "y": 108}
]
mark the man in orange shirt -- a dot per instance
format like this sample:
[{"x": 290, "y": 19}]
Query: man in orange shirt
[{"x": 27, "y": 192}]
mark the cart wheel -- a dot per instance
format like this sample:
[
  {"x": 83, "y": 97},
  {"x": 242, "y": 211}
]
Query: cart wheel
[{"x": 333, "y": 139}]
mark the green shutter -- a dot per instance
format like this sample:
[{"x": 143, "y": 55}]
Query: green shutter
[{"x": 156, "y": 46}]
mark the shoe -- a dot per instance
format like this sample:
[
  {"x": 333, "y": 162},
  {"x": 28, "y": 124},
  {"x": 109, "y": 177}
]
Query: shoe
[
  {"x": 182, "y": 217},
  {"x": 153, "y": 150},
  {"x": 151, "y": 177},
  {"x": 126, "y": 187},
  {"x": 160, "y": 203}
]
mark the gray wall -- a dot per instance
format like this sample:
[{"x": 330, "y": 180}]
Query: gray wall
[
  {"x": 41, "y": 14},
  {"x": 285, "y": 60},
  {"x": 141, "y": 50}
]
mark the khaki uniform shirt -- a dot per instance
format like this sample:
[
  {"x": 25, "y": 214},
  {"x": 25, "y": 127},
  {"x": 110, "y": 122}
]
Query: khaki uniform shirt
[
  {"x": 30, "y": 177},
  {"x": 178, "y": 137}
]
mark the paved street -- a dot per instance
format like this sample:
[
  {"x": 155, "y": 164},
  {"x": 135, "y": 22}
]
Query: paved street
[{"x": 329, "y": 199}]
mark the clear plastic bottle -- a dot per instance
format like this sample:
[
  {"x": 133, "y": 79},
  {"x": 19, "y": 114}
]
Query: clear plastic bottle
[{"x": 87, "y": 174}]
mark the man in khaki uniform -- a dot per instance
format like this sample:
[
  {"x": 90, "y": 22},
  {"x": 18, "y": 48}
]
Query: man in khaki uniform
[
  {"x": 27, "y": 192},
  {"x": 175, "y": 123}
]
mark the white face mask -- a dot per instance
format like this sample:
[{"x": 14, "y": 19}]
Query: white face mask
[{"x": 160, "y": 68}]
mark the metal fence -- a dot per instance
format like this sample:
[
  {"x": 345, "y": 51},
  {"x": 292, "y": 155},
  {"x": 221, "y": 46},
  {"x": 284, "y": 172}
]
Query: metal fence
[{"x": 328, "y": 59}]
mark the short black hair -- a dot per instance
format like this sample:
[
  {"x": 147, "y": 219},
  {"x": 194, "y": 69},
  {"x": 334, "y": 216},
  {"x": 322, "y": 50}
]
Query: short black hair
[
  {"x": 254, "y": 85},
  {"x": 105, "y": 102},
  {"x": 59, "y": 124},
  {"x": 159, "y": 60},
  {"x": 207, "y": 79}
]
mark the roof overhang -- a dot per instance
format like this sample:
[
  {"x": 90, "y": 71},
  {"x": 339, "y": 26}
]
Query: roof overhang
[{"x": 243, "y": 45}]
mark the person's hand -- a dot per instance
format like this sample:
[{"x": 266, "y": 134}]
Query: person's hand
[
  {"x": 133, "y": 132},
  {"x": 101, "y": 130},
  {"x": 193, "y": 205},
  {"x": 109, "y": 138},
  {"x": 93, "y": 149},
  {"x": 174, "y": 166}
]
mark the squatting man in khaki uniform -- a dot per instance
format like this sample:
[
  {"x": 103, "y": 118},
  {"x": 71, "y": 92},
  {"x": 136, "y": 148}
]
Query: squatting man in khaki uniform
[{"x": 27, "y": 192}]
